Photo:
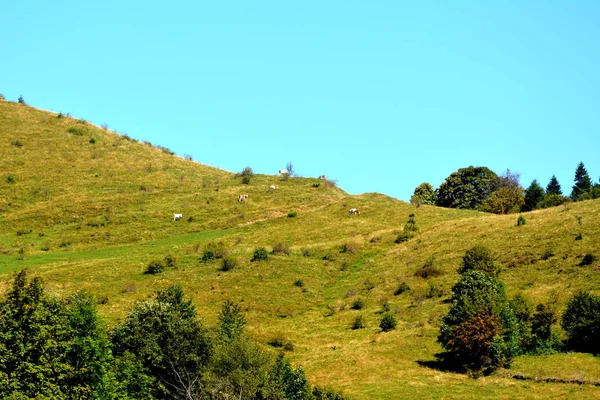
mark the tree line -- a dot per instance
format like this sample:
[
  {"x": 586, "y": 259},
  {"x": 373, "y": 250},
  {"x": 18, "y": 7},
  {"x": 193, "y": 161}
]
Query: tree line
[
  {"x": 480, "y": 188},
  {"x": 54, "y": 348},
  {"x": 484, "y": 330}
]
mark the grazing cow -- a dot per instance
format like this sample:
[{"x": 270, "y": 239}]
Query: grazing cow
[
  {"x": 353, "y": 211},
  {"x": 273, "y": 187},
  {"x": 283, "y": 172},
  {"x": 242, "y": 197},
  {"x": 323, "y": 177},
  {"x": 177, "y": 217}
]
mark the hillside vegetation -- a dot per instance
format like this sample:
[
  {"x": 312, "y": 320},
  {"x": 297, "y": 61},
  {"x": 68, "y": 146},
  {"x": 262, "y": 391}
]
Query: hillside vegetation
[{"x": 83, "y": 207}]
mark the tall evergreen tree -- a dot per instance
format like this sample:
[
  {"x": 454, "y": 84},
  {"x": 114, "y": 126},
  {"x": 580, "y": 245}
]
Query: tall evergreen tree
[
  {"x": 533, "y": 195},
  {"x": 583, "y": 183},
  {"x": 554, "y": 187}
]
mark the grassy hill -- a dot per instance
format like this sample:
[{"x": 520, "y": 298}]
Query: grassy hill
[{"x": 84, "y": 207}]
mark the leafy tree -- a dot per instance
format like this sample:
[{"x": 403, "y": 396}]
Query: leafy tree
[
  {"x": 583, "y": 183},
  {"x": 479, "y": 258},
  {"x": 553, "y": 187},
  {"x": 424, "y": 194},
  {"x": 467, "y": 188},
  {"x": 504, "y": 200},
  {"x": 232, "y": 321},
  {"x": 165, "y": 334},
  {"x": 581, "y": 321},
  {"x": 534, "y": 194},
  {"x": 291, "y": 381},
  {"x": 480, "y": 331},
  {"x": 49, "y": 349}
]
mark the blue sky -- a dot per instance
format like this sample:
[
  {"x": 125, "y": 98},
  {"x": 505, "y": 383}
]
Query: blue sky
[{"x": 380, "y": 96}]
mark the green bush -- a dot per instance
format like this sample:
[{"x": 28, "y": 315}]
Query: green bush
[
  {"x": 359, "y": 322},
  {"x": 479, "y": 258},
  {"x": 11, "y": 179},
  {"x": 246, "y": 180},
  {"x": 21, "y": 100},
  {"x": 588, "y": 259},
  {"x": 155, "y": 267},
  {"x": 306, "y": 253},
  {"x": 429, "y": 270},
  {"x": 260, "y": 254},
  {"x": 579, "y": 236},
  {"x": 520, "y": 220},
  {"x": 292, "y": 214},
  {"x": 358, "y": 304},
  {"x": 75, "y": 131},
  {"x": 403, "y": 237},
  {"x": 228, "y": 263},
  {"x": 299, "y": 283},
  {"x": 581, "y": 322},
  {"x": 388, "y": 322},
  {"x": 93, "y": 141},
  {"x": 402, "y": 287}
]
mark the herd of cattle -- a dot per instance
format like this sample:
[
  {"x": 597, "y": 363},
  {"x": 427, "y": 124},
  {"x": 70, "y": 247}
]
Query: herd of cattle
[{"x": 244, "y": 197}]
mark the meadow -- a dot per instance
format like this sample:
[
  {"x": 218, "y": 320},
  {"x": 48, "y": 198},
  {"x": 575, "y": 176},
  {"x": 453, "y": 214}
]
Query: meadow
[{"x": 84, "y": 207}]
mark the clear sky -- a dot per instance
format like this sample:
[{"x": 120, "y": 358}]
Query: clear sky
[{"x": 379, "y": 95}]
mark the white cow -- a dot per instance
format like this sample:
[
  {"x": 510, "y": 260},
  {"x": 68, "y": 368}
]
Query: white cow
[
  {"x": 283, "y": 172},
  {"x": 177, "y": 217},
  {"x": 242, "y": 197},
  {"x": 353, "y": 211},
  {"x": 273, "y": 187},
  {"x": 323, "y": 177}
]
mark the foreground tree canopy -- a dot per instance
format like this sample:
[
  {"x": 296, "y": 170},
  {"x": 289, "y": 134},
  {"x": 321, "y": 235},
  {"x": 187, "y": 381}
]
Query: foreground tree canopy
[{"x": 59, "y": 349}]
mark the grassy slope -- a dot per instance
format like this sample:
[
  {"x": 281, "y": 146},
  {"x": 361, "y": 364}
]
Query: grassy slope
[{"x": 93, "y": 215}]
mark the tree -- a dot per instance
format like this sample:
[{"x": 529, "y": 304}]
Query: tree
[
  {"x": 49, "y": 348},
  {"x": 534, "y": 194},
  {"x": 581, "y": 321},
  {"x": 289, "y": 167},
  {"x": 467, "y": 188},
  {"x": 583, "y": 183},
  {"x": 170, "y": 342},
  {"x": 232, "y": 321},
  {"x": 504, "y": 200},
  {"x": 424, "y": 194},
  {"x": 553, "y": 187},
  {"x": 479, "y": 258}
]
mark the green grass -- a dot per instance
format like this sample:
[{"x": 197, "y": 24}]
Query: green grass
[{"x": 93, "y": 215}]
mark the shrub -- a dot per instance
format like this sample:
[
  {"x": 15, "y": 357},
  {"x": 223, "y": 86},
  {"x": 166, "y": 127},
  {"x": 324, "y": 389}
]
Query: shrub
[
  {"x": 260, "y": 254},
  {"x": 579, "y": 236},
  {"x": 520, "y": 220},
  {"x": 228, "y": 263},
  {"x": 358, "y": 304},
  {"x": 547, "y": 254},
  {"x": 388, "y": 322},
  {"x": 299, "y": 283},
  {"x": 17, "y": 143},
  {"x": 429, "y": 270},
  {"x": 246, "y": 180},
  {"x": 359, "y": 322},
  {"x": 306, "y": 253},
  {"x": 155, "y": 267},
  {"x": 479, "y": 258},
  {"x": 292, "y": 214},
  {"x": 553, "y": 200},
  {"x": 281, "y": 248},
  {"x": 213, "y": 251},
  {"x": 411, "y": 225},
  {"x": 93, "y": 141},
  {"x": 328, "y": 257},
  {"x": 588, "y": 259},
  {"x": 581, "y": 322},
  {"x": 402, "y": 287},
  {"x": 316, "y": 185},
  {"x": 21, "y": 100},
  {"x": 170, "y": 261},
  {"x": 11, "y": 179},
  {"x": 75, "y": 131},
  {"x": 351, "y": 248},
  {"x": 403, "y": 237}
]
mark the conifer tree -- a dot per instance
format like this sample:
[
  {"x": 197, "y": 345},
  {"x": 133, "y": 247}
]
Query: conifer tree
[
  {"x": 553, "y": 187},
  {"x": 533, "y": 195},
  {"x": 583, "y": 183}
]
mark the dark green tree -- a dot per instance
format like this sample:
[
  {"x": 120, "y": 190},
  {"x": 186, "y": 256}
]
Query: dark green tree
[
  {"x": 290, "y": 381},
  {"x": 467, "y": 187},
  {"x": 581, "y": 322},
  {"x": 171, "y": 343},
  {"x": 232, "y": 321},
  {"x": 553, "y": 187},
  {"x": 424, "y": 194},
  {"x": 583, "y": 183},
  {"x": 49, "y": 349},
  {"x": 479, "y": 258},
  {"x": 480, "y": 331},
  {"x": 534, "y": 194}
]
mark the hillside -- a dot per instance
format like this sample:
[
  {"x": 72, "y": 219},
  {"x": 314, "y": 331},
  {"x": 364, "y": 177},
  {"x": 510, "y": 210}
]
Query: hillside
[{"x": 84, "y": 207}]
